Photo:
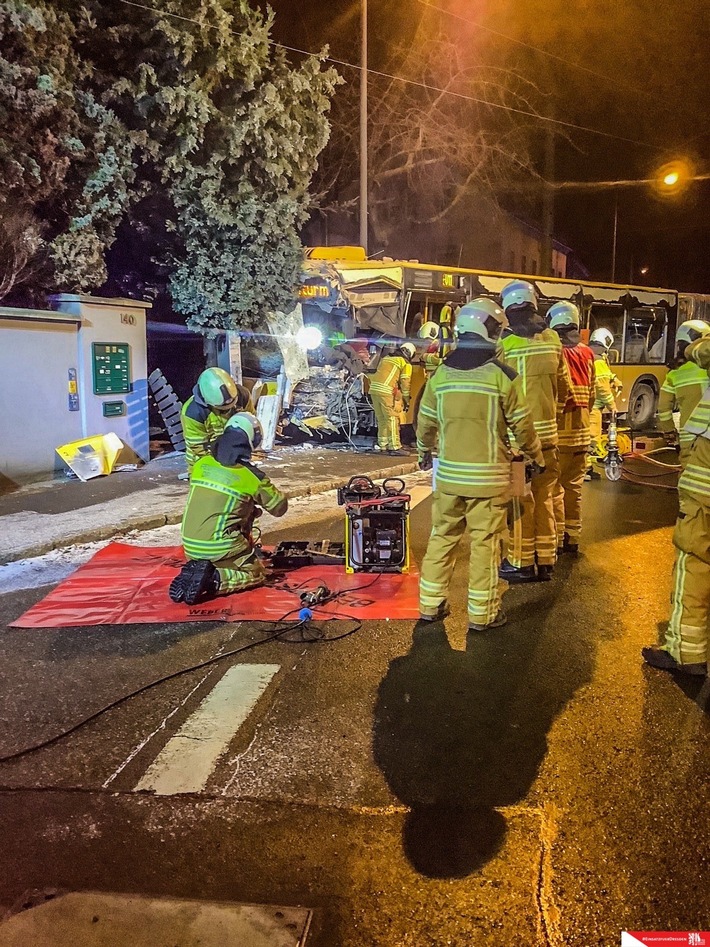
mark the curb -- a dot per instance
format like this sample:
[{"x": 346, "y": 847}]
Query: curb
[{"x": 171, "y": 518}]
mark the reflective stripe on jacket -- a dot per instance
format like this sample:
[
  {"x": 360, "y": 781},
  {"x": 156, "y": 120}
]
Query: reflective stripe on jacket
[
  {"x": 394, "y": 371},
  {"x": 681, "y": 391},
  {"x": 573, "y": 420},
  {"x": 200, "y": 427},
  {"x": 468, "y": 412},
  {"x": 221, "y": 506},
  {"x": 544, "y": 378},
  {"x": 606, "y": 385}
]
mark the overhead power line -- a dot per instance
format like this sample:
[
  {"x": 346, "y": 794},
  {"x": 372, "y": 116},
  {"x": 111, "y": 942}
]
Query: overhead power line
[
  {"x": 412, "y": 82},
  {"x": 537, "y": 49}
]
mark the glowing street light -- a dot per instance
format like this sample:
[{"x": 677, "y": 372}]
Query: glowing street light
[{"x": 671, "y": 179}]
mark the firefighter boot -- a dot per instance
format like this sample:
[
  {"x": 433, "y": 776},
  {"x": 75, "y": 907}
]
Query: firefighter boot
[
  {"x": 201, "y": 580},
  {"x": 500, "y": 620},
  {"x": 513, "y": 574},
  {"x": 661, "y": 659}
]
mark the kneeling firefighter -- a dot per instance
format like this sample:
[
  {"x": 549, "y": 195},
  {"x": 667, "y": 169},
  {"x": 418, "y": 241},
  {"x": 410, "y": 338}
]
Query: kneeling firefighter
[
  {"x": 572, "y": 424},
  {"x": 685, "y": 647},
  {"x": 226, "y": 494},
  {"x": 215, "y": 398},
  {"x": 683, "y": 388},
  {"x": 393, "y": 375},
  {"x": 466, "y": 410}
]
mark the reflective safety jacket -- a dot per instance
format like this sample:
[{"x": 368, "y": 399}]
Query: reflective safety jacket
[
  {"x": 607, "y": 385},
  {"x": 544, "y": 378},
  {"x": 432, "y": 360},
  {"x": 573, "y": 418},
  {"x": 469, "y": 411},
  {"x": 394, "y": 371},
  {"x": 200, "y": 427},
  {"x": 695, "y": 479},
  {"x": 681, "y": 391},
  {"x": 221, "y": 507}
]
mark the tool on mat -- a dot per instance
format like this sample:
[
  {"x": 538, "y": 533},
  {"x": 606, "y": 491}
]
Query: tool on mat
[{"x": 376, "y": 525}]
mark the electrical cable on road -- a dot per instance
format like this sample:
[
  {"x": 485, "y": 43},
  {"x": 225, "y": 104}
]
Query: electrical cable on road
[
  {"x": 317, "y": 636},
  {"x": 413, "y": 82}
]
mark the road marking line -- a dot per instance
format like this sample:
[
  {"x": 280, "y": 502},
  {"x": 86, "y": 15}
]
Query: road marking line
[{"x": 188, "y": 759}]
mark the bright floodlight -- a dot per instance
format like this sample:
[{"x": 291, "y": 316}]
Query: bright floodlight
[
  {"x": 671, "y": 179},
  {"x": 309, "y": 337}
]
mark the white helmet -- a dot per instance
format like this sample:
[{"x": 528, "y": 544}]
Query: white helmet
[
  {"x": 429, "y": 331},
  {"x": 602, "y": 337},
  {"x": 518, "y": 293},
  {"x": 408, "y": 349},
  {"x": 249, "y": 424},
  {"x": 563, "y": 313},
  {"x": 475, "y": 317},
  {"x": 692, "y": 330}
]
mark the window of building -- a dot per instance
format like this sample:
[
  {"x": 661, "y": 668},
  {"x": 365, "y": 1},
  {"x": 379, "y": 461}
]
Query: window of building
[
  {"x": 511, "y": 262},
  {"x": 524, "y": 264},
  {"x": 533, "y": 267}
]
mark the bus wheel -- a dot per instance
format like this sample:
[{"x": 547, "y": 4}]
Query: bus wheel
[{"x": 642, "y": 407}]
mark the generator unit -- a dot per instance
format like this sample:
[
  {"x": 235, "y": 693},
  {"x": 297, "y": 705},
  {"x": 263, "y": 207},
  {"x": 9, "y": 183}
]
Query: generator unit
[{"x": 376, "y": 525}]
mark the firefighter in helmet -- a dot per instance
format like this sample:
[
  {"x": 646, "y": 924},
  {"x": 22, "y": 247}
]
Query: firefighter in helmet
[
  {"x": 535, "y": 353},
  {"x": 465, "y": 413},
  {"x": 683, "y": 388},
  {"x": 390, "y": 383},
  {"x": 430, "y": 334},
  {"x": 226, "y": 494},
  {"x": 215, "y": 398}
]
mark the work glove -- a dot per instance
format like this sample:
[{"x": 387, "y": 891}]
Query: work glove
[
  {"x": 537, "y": 469},
  {"x": 671, "y": 438},
  {"x": 426, "y": 461},
  {"x": 405, "y": 404}
]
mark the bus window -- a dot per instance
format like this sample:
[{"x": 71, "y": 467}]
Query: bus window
[
  {"x": 645, "y": 336},
  {"x": 611, "y": 318}
]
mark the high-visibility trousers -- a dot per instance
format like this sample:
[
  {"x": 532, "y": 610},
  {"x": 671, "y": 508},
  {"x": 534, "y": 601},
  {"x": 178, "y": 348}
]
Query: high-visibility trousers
[
  {"x": 687, "y": 635},
  {"x": 595, "y": 430},
  {"x": 452, "y": 516},
  {"x": 238, "y": 570},
  {"x": 387, "y": 415},
  {"x": 533, "y": 530},
  {"x": 568, "y": 495}
]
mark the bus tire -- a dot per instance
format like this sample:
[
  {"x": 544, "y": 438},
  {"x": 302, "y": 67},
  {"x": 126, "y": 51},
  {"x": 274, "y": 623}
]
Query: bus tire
[{"x": 643, "y": 404}]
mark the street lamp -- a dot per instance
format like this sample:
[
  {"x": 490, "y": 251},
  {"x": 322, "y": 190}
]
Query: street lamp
[{"x": 363, "y": 128}]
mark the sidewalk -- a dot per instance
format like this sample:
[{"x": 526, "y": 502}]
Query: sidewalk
[{"x": 42, "y": 517}]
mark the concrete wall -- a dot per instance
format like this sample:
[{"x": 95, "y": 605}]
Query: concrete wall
[
  {"x": 106, "y": 321},
  {"x": 36, "y": 354},
  {"x": 37, "y": 351}
]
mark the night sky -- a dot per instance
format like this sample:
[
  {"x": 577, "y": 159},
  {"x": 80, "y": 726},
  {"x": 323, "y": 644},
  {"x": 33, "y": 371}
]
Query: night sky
[{"x": 658, "y": 84}]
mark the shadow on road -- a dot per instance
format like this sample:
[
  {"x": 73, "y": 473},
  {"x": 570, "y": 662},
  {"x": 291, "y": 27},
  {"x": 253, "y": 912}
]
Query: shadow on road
[{"x": 460, "y": 734}]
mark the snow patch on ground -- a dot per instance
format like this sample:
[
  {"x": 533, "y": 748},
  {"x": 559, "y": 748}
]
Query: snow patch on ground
[{"x": 56, "y": 565}]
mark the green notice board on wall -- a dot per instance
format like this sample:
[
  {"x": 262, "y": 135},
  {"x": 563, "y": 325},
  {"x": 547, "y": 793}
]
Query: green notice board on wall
[{"x": 112, "y": 368}]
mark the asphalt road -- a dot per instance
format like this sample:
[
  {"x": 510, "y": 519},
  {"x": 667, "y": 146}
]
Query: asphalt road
[{"x": 412, "y": 784}]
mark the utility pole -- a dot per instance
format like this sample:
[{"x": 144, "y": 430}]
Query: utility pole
[
  {"x": 363, "y": 129},
  {"x": 613, "y": 245},
  {"x": 548, "y": 204}
]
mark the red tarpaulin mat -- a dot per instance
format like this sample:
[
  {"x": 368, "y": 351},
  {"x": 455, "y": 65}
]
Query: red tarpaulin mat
[{"x": 126, "y": 585}]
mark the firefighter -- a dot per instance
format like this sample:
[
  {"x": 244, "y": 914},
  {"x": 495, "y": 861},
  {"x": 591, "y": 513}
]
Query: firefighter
[
  {"x": 215, "y": 398},
  {"x": 683, "y": 388},
  {"x": 429, "y": 332},
  {"x": 607, "y": 386},
  {"x": 686, "y": 643},
  {"x": 535, "y": 353},
  {"x": 391, "y": 381},
  {"x": 466, "y": 409},
  {"x": 226, "y": 494},
  {"x": 572, "y": 425}
]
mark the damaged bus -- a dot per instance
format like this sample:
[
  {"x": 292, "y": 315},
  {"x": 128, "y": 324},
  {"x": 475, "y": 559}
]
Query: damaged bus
[{"x": 381, "y": 302}]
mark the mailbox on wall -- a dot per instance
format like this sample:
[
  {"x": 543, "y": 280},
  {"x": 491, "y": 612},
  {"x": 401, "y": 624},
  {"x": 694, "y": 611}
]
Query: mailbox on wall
[{"x": 111, "y": 366}]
